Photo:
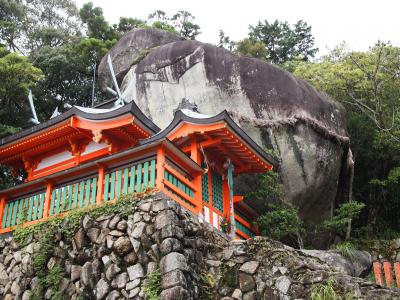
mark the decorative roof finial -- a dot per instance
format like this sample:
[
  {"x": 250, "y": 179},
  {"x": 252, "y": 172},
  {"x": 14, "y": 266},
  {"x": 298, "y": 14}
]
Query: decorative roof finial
[{"x": 186, "y": 104}]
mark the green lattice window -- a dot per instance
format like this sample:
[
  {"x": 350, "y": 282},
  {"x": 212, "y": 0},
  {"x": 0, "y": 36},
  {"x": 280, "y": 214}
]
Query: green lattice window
[
  {"x": 218, "y": 201},
  {"x": 204, "y": 187}
]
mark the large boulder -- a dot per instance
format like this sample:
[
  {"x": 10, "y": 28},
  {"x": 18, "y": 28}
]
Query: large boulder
[{"x": 307, "y": 130}]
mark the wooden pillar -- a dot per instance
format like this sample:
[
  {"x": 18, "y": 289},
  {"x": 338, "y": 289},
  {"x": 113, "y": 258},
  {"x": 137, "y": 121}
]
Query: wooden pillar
[
  {"x": 47, "y": 200},
  {"x": 195, "y": 156},
  {"x": 378, "y": 272},
  {"x": 397, "y": 273},
  {"x": 100, "y": 185},
  {"x": 2, "y": 206},
  {"x": 160, "y": 167},
  {"x": 387, "y": 268}
]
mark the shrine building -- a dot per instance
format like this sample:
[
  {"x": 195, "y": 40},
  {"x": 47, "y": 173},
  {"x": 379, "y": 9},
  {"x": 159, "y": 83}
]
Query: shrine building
[{"x": 87, "y": 156}]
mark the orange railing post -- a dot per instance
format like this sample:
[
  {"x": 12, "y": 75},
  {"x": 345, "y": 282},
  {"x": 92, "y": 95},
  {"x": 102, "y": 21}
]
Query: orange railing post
[
  {"x": 100, "y": 185},
  {"x": 387, "y": 268},
  {"x": 160, "y": 167},
  {"x": 2, "y": 206},
  {"x": 47, "y": 200},
  {"x": 378, "y": 272},
  {"x": 195, "y": 156},
  {"x": 397, "y": 273}
]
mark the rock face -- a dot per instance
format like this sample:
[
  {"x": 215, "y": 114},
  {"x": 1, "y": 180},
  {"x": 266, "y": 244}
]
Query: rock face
[{"x": 306, "y": 129}]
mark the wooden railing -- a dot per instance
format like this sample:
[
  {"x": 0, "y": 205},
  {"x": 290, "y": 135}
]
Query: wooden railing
[
  {"x": 388, "y": 273},
  {"x": 107, "y": 179}
]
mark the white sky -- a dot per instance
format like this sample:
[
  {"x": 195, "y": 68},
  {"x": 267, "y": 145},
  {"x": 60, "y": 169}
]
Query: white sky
[{"x": 358, "y": 22}]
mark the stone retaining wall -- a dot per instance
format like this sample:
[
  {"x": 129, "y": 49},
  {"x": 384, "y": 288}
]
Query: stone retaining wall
[{"x": 110, "y": 258}]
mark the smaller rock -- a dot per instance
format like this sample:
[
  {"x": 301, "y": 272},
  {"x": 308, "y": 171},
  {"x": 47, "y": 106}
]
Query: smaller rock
[
  {"x": 122, "y": 246},
  {"x": 122, "y": 225},
  {"x": 134, "y": 293},
  {"x": 27, "y": 295},
  {"x": 173, "y": 261},
  {"x": 173, "y": 278},
  {"x": 113, "y": 295},
  {"x": 120, "y": 281},
  {"x": 93, "y": 234},
  {"x": 87, "y": 222},
  {"x": 283, "y": 283},
  {"x": 137, "y": 230},
  {"x": 135, "y": 272},
  {"x": 246, "y": 282},
  {"x": 175, "y": 293},
  {"x": 114, "y": 221},
  {"x": 102, "y": 289},
  {"x": 132, "y": 284},
  {"x": 79, "y": 239},
  {"x": 75, "y": 272},
  {"x": 249, "y": 267},
  {"x": 116, "y": 233},
  {"x": 237, "y": 294},
  {"x": 111, "y": 271}
]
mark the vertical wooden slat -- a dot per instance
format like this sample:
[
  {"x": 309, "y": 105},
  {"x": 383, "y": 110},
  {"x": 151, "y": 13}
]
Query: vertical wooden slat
[
  {"x": 53, "y": 202},
  {"x": 378, "y": 272},
  {"x": 146, "y": 175},
  {"x": 70, "y": 192},
  {"x": 126, "y": 180},
  {"x": 152, "y": 173},
  {"x": 14, "y": 214},
  {"x": 30, "y": 209},
  {"x": 5, "y": 213},
  {"x": 41, "y": 208},
  {"x": 35, "y": 207},
  {"x": 81, "y": 192},
  {"x": 387, "y": 268},
  {"x": 20, "y": 211},
  {"x": 132, "y": 179},
  {"x": 58, "y": 200},
  {"x": 76, "y": 194},
  {"x": 9, "y": 212},
  {"x": 112, "y": 191},
  {"x": 139, "y": 179},
  {"x": 87, "y": 194},
  {"x": 2, "y": 210},
  {"x": 64, "y": 197},
  {"x": 106, "y": 185},
  {"x": 397, "y": 273},
  {"x": 119, "y": 183},
  {"x": 94, "y": 189}
]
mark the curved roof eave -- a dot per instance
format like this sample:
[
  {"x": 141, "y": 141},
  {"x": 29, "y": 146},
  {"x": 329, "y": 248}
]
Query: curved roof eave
[
  {"x": 74, "y": 111},
  {"x": 223, "y": 116}
]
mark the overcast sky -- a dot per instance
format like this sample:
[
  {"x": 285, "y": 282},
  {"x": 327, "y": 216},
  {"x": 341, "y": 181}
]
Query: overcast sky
[{"x": 358, "y": 22}]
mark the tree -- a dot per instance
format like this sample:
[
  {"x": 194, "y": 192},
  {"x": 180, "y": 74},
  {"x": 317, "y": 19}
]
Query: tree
[
  {"x": 127, "y": 24},
  {"x": 13, "y": 19},
  {"x": 280, "y": 221},
  {"x": 225, "y": 41},
  {"x": 250, "y": 48},
  {"x": 183, "y": 22},
  {"x": 343, "y": 216},
  {"x": 97, "y": 26},
  {"x": 368, "y": 85},
  {"x": 17, "y": 76},
  {"x": 284, "y": 43}
]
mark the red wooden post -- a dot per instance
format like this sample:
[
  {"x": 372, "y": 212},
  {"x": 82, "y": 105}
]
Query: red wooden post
[
  {"x": 2, "y": 206},
  {"x": 47, "y": 201},
  {"x": 378, "y": 272},
  {"x": 387, "y": 268},
  {"x": 195, "y": 156},
  {"x": 397, "y": 273},
  {"x": 100, "y": 185},
  {"x": 160, "y": 167}
]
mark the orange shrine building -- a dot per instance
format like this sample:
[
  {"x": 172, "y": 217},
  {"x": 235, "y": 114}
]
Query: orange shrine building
[{"x": 87, "y": 156}]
